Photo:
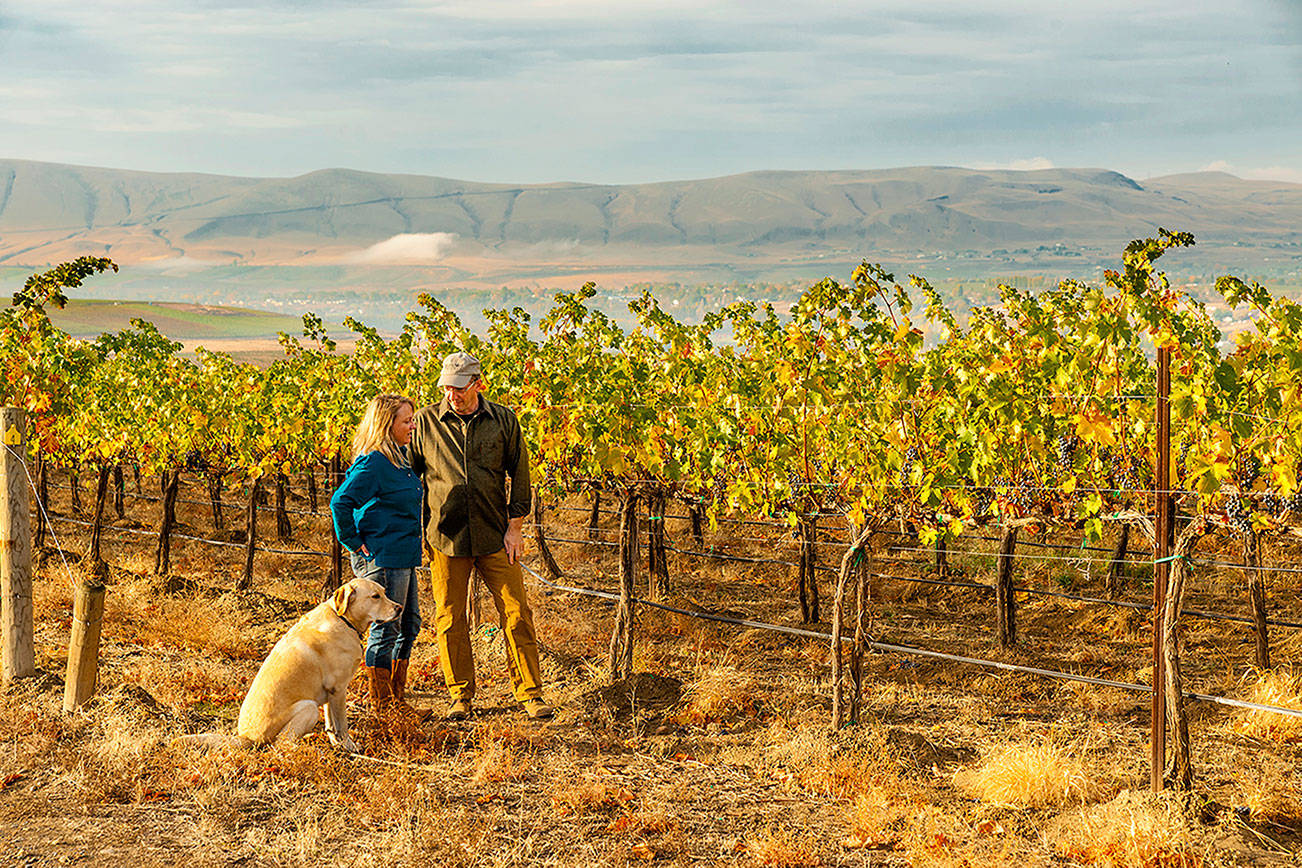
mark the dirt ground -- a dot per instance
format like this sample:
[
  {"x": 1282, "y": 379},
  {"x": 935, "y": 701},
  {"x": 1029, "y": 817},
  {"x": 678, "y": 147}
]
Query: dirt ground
[{"x": 718, "y": 751}]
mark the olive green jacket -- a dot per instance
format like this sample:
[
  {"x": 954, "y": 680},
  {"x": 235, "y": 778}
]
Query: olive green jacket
[{"x": 464, "y": 466}]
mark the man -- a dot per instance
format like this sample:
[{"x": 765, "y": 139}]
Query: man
[{"x": 465, "y": 449}]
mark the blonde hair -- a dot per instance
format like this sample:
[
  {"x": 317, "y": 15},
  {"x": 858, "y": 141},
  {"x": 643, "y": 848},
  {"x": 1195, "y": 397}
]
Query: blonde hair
[{"x": 374, "y": 432}]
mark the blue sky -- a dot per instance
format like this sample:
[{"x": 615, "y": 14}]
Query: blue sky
[{"x": 632, "y": 91}]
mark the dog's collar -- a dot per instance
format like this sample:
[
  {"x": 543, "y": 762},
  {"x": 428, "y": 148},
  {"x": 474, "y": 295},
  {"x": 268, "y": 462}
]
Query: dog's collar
[{"x": 351, "y": 626}]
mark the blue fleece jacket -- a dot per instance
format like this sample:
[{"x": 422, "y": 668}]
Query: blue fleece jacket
[{"x": 379, "y": 505}]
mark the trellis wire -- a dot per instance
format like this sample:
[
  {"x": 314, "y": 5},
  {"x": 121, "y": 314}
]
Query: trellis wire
[
  {"x": 917, "y": 652},
  {"x": 1195, "y": 613}
]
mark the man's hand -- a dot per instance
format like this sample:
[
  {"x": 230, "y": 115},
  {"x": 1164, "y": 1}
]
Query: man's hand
[{"x": 514, "y": 539}]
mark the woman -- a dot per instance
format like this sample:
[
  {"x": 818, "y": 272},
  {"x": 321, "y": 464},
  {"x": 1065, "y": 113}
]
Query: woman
[{"x": 376, "y": 513}]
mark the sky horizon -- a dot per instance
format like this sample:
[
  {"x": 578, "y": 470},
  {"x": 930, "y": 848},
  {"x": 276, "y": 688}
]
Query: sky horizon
[{"x": 637, "y": 92}]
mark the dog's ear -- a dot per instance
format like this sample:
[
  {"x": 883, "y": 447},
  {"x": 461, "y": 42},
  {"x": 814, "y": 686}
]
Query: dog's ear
[{"x": 343, "y": 597}]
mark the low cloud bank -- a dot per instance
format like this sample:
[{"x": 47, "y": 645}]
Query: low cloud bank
[{"x": 407, "y": 249}]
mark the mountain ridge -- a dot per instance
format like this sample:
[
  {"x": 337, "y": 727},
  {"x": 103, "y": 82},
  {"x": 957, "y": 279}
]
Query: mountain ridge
[{"x": 51, "y": 211}]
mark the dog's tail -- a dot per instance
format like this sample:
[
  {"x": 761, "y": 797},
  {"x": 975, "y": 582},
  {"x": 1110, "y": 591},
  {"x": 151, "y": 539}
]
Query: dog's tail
[{"x": 213, "y": 740}]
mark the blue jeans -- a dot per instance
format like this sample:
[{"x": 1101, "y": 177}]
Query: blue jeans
[{"x": 392, "y": 640}]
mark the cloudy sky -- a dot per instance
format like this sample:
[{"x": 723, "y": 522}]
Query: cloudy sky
[{"x": 626, "y": 90}]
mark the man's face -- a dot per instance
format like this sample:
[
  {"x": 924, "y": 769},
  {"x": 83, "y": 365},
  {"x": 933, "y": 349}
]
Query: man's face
[{"x": 466, "y": 399}]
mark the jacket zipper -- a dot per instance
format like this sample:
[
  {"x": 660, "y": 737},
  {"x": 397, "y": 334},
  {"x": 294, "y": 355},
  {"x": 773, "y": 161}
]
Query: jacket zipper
[{"x": 465, "y": 449}]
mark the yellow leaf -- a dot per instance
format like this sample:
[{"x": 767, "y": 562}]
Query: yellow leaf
[
  {"x": 1092, "y": 425},
  {"x": 1285, "y": 477}
]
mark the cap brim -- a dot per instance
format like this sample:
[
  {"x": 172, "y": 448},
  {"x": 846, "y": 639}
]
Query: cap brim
[{"x": 456, "y": 381}]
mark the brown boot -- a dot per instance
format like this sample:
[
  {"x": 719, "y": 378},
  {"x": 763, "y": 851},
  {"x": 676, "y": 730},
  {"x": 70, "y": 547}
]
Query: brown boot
[
  {"x": 400, "y": 691},
  {"x": 381, "y": 687}
]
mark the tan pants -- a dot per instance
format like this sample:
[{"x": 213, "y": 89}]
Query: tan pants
[{"x": 451, "y": 581}]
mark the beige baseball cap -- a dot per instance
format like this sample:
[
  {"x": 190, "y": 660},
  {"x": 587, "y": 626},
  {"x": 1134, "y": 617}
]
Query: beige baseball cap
[{"x": 459, "y": 370}]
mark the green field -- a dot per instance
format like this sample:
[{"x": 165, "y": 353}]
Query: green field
[{"x": 182, "y": 322}]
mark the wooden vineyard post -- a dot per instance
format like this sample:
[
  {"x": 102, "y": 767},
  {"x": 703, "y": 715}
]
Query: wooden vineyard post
[
  {"x": 74, "y": 484},
  {"x": 1118, "y": 564},
  {"x": 163, "y": 558},
  {"x": 849, "y": 561},
  {"x": 807, "y": 581},
  {"x": 284, "y": 530},
  {"x": 17, "y": 654},
  {"x": 698, "y": 536},
  {"x": 595, "y": 517},
  {"x": 1162, "y": 530},
  {"x": 313, "y": 502},
  {"x": 1176, "y": 717},
  {"x": 863, "y": 598},
  {"x": 1257, "y": 596},
  {"x": 93, "y": 556},
  {"x": 119, "y": 492},
  {"x": 42, "y": 499},
  {"x": 621, "y": 637},
  {"x": 657, "y": 558},
  {"x": 83, "y": 645},
  {"x": 545, "y": 552},
  {"x": 1005, "y": 599},
  {"x": 335, "y": 578},
  {"x": 245, "y": 581}
]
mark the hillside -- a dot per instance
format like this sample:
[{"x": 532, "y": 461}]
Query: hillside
[{"x": 49, "y": 212}]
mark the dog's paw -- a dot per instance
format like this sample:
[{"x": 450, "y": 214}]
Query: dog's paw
[{"x": 346, "y": 743}]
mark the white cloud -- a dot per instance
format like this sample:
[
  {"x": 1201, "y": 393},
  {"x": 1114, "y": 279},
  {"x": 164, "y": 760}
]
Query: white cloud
[{"x": 407, "y": 249}]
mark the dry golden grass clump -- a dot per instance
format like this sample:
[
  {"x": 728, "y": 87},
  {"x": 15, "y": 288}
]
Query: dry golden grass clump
[
  {"x": 781, "y": 848},
  {"x": 876, "y": 818},
  {"x": 1281, "y": 687},
  {"x": 1134, "y": 829},
  {"x": 721, "y": 693},
  {"x": 840, "y": 768},
  {"x": 1034, "y": 776},
  {"x": 1270, "y": 788},
  {"x": 497, "y": 761},
  {"x": 135, "y": 612},
  {"x": 390, "y": 798},
  {"x": 588, "y": 796},
  {"x": 208, "y": 686}
]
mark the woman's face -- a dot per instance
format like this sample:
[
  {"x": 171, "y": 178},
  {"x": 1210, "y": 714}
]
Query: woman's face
[{"x": 403, "y": 423}]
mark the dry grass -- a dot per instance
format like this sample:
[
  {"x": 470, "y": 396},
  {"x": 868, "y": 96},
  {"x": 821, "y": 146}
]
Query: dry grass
[
  {"x": 811, "y": 758},
  {"x": 588, "y": 795},
  {"x": 1281, "y": 687},
  {"x": 723, "y": 692},
  {"x": 207, "y": 686},
  {"x": 497, "y": 761},
  {"x": 1134, "y": 830},
  {"x": 782, "y": 848},
  {"x": 1271, "y": 791},
  {"x": 744, "y": 770},
  {"x": 1033, "y": 776}
]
